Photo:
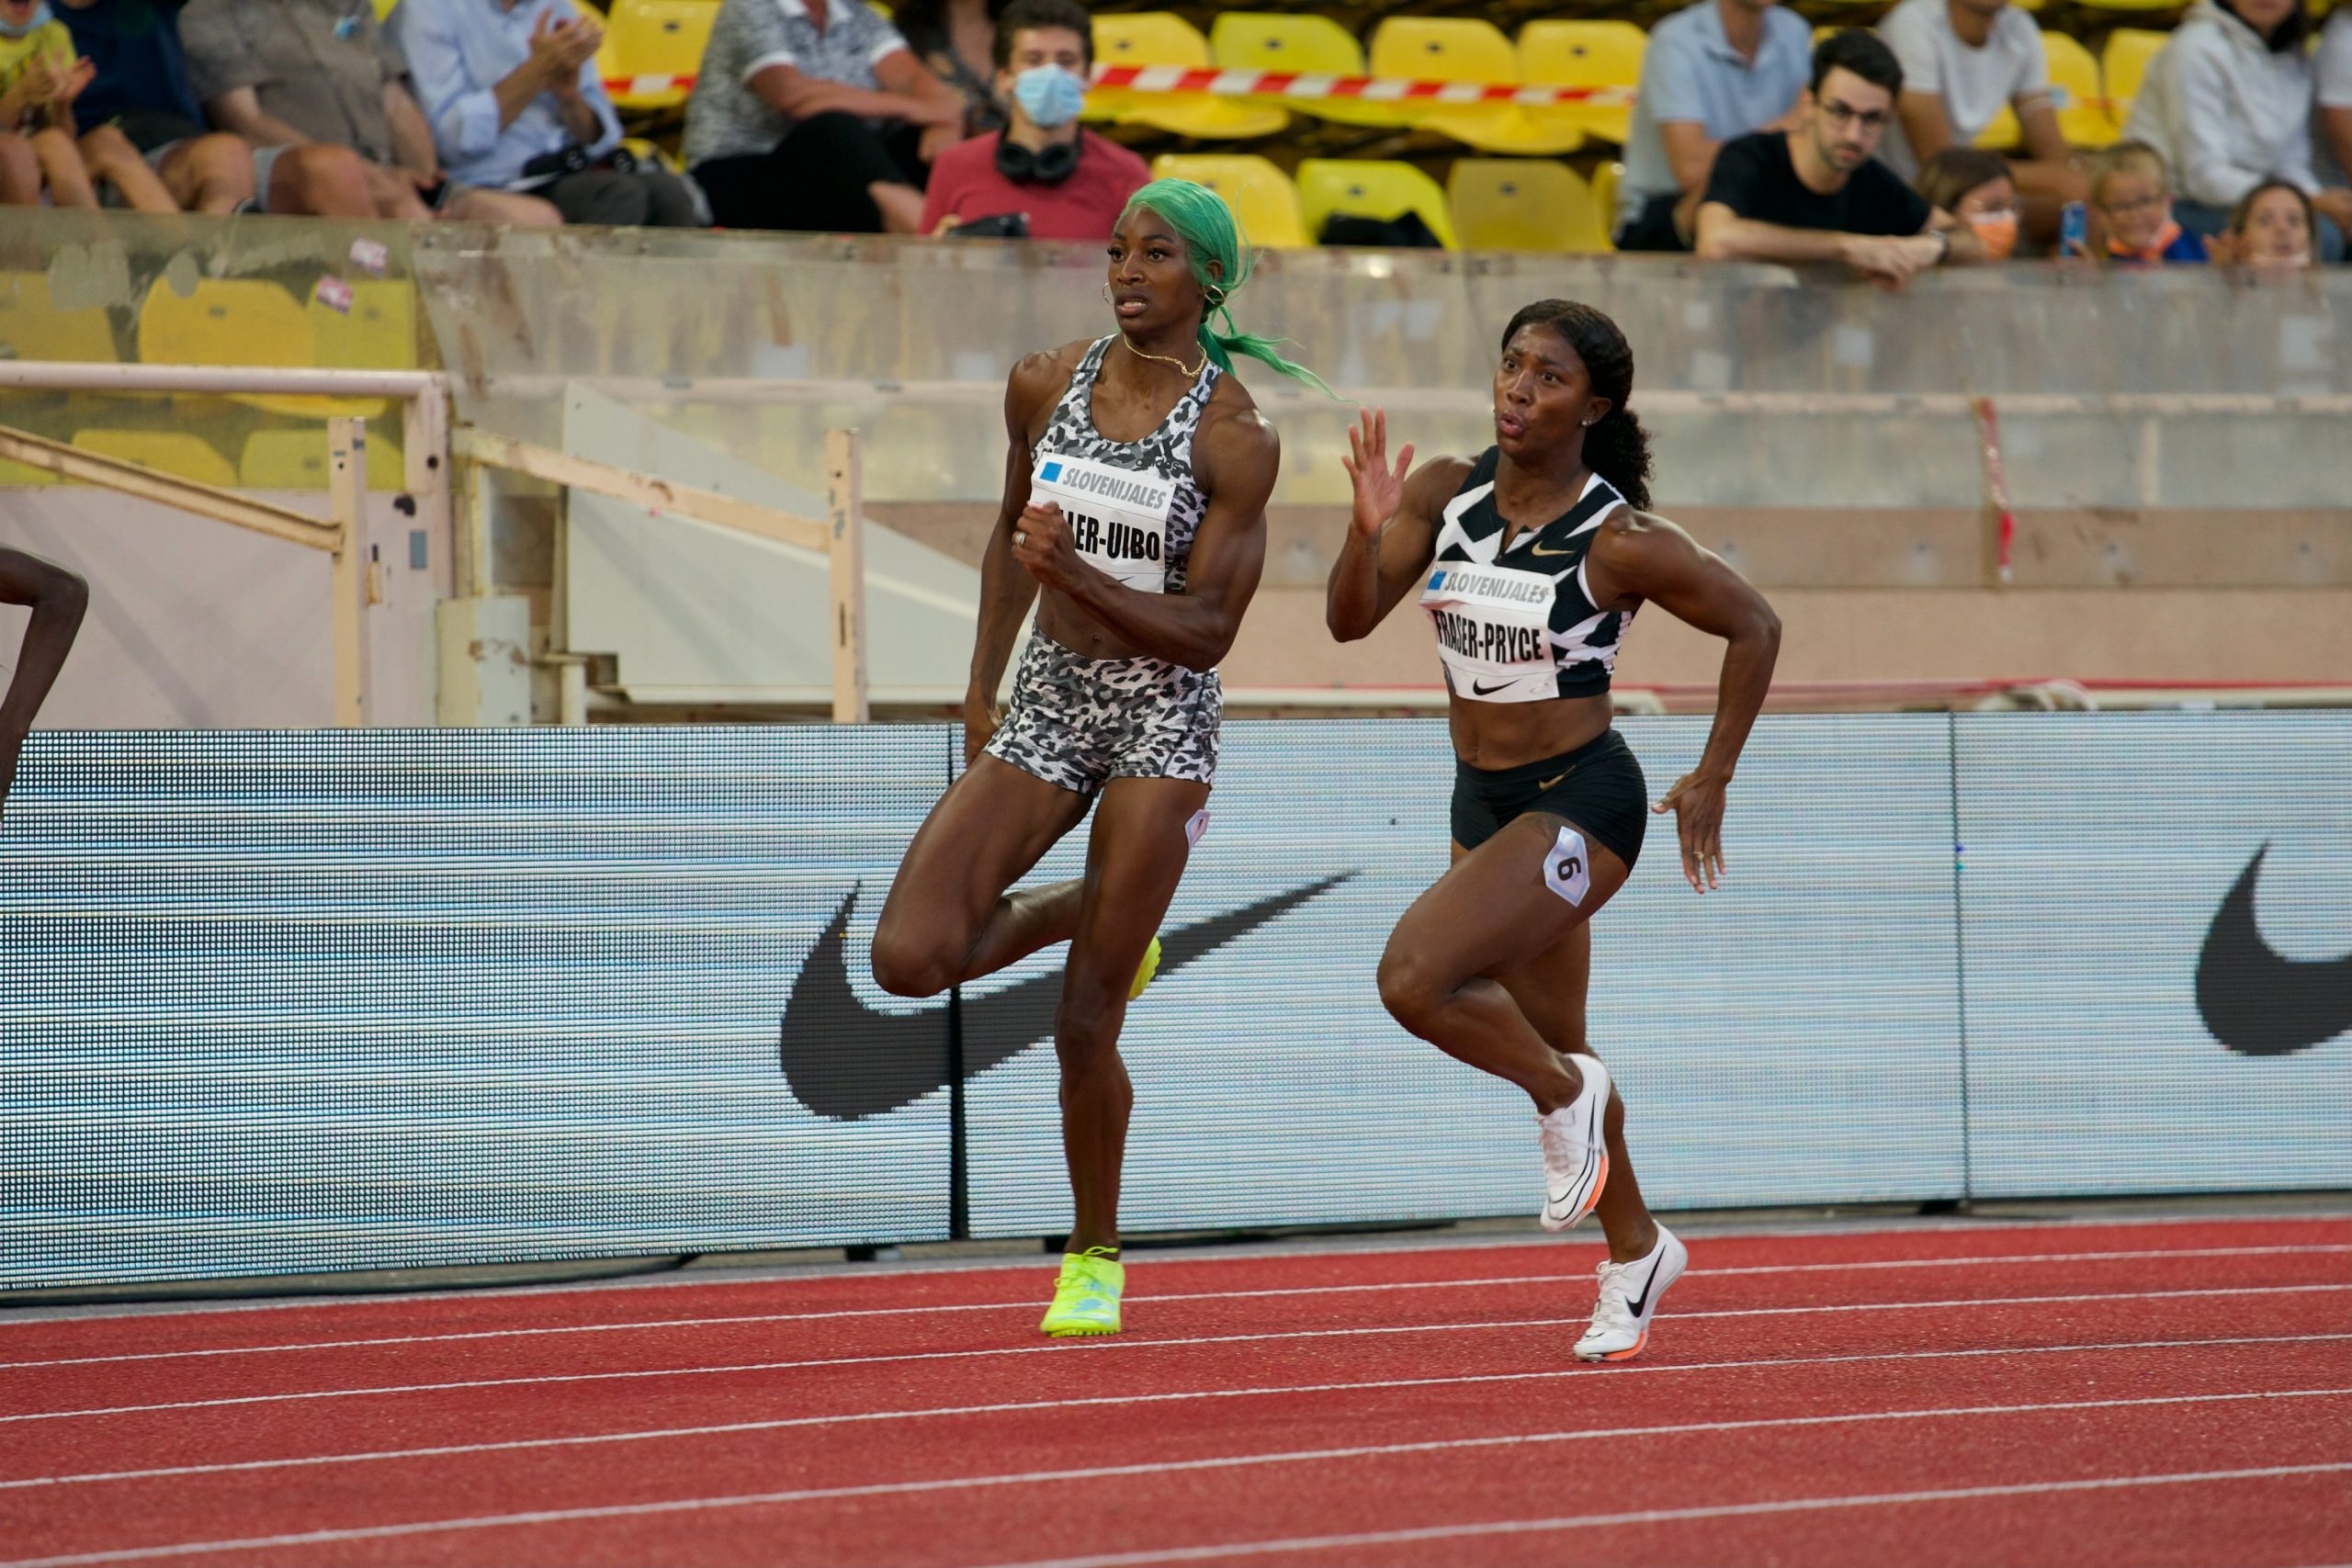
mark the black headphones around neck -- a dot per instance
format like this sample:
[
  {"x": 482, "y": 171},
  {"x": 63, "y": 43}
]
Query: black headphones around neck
[{"x": 1049, "y": 165}]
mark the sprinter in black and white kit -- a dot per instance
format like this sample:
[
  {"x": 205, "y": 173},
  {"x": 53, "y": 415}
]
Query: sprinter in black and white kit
[
  {"x": 1531, "y": 560},
  {"x": 1135, "y": 498}
]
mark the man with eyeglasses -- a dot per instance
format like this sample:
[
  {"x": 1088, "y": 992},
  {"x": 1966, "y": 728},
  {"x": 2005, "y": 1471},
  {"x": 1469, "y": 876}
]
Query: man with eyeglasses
[{"x": 1815, "y": 194}]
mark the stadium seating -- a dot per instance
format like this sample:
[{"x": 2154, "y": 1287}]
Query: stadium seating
[
  {"x": 1366, "y": 188},
  {"x": 171, "y": 451},
  {"x": 1161, "y": 37},
  {"x": 656, "y": 40},
  {"x": 1585, "y": 54},
  {"x": 1524, "y": 204},
  {"x": 2082, "y": 118},
  {"x": 30, "y": 328},
  {"x": 1260, "y": 195},
  {"x": 1255, "y": 41},
  {"x": 297, "y": 459},
  {"x": 248, "y": 322},
  {"x": 2122, "y": 64},
  {"x": 1461, "y": 49}
]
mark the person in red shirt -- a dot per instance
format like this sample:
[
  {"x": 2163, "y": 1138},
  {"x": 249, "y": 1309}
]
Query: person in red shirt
[{"x": 1067, "y": 183}]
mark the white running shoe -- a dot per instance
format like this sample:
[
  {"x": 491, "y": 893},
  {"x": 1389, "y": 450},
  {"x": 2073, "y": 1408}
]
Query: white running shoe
[
  {"x": 1629, "y": 1298},
  {"x": 1576, "y": 1158}
]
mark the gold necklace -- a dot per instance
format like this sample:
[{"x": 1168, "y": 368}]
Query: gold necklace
[{"x": 1191, "y": 371}]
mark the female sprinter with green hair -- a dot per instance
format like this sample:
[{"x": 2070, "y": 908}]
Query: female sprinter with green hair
[{"x": 1134, "y": 496}]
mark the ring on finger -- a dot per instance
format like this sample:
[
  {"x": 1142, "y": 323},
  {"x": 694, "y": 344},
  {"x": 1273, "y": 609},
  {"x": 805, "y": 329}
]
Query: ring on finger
[{"x": 1017, "y": 538}]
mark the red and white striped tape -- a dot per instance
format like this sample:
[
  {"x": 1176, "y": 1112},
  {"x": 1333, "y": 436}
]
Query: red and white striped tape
[
  {"x": 1309, "y": 87},
  {"x": 1296, "y": 86}
]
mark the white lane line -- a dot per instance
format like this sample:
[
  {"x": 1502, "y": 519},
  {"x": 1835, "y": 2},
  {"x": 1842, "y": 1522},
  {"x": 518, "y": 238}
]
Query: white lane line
[
  {"x": 1029, "y": 1304},
  {"x": 1163, "y": 1467},
  {"x": 1107, "y": 1345},
  {"x": 1662, "y": 1516},
  {"x": 857, "y": 1417},
  {"x": 37, "y": 1317}
]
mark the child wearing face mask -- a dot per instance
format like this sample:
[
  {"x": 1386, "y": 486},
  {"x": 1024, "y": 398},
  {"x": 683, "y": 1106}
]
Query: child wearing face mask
[
  {"x": 40, "y": 76},
  {"x": 2132, "y": 195},
  {"x": 1974, "y": 186}
]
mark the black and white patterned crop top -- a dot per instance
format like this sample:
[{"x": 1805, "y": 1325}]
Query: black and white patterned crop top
[
  {"x": 1519, "y": 625},
  {"x": 1133, "y": 505}
]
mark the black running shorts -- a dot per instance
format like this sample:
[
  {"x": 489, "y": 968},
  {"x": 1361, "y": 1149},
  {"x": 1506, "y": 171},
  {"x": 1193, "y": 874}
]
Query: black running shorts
[{"x": 1598, "y": 787}]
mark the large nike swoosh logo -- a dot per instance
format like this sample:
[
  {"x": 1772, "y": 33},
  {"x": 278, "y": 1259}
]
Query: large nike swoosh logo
[
  {"x": 1636, "y": 1305},
  {"x": 2257, "y": 1003},
  {"x": 844, "y": 1061}
]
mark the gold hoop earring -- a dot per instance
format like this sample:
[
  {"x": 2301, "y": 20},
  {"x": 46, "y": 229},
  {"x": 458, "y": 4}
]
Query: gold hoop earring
[{"x": 1106, "y": 293}]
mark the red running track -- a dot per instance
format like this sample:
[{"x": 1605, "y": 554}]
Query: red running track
[{"x": 2086, "y": 1394}]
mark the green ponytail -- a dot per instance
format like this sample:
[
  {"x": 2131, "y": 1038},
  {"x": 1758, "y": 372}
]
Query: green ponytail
[{"x": 1210, "y": 232}]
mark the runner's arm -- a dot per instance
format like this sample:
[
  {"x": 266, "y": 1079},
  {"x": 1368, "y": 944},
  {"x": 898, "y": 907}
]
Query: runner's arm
[
  {"x": 1639, "y": 557},
  {"x": 1006, "y": 591},
  {"x": 1235, "y": 457},
  {"x": 1379, "y": 563}
]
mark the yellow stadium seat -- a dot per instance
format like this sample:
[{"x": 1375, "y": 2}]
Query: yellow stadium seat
[
  {"x": 19, "y": 475},
  {"x": 1605, "y": 179},
  {"x": 1260, "y": 195},
  {"x": 1585, "y": 54},
  {"x": 171, "y": 451},
  {"x": 297, "y": 459},
  {"x": 2124, "y": 63},
  {"x": 30, "y": 328},
  {"x": 1524, "y": 204},
  {"x": 1462, "y": 49},
  {"x": 2075, "y": 93},
  {"x": 1365, "y": 188},
  {"x": 1254, "y": 41},
  {"x": 1162, "y": 38},
  {"x": 379, "y": 332},
  {"x": 2002, "y": 132},
  {"x": 656, "y": 39},
  {"x": 2141, "y": 6},
  {"x": 384, "y": 8},
  {"x": 244, "y": 321}
]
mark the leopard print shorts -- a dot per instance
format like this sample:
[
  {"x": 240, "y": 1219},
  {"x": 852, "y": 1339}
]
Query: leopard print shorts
[{"x": 1078, "y": 722}]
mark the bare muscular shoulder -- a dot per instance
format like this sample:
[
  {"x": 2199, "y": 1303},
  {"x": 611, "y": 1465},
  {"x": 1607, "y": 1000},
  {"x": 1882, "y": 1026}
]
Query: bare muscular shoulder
[
  {"x": 1037, "y": 383},
  {"x": 1235, "y": 441}
]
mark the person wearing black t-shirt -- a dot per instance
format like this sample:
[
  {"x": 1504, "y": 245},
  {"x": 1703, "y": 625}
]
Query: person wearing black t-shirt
[{"x": 1815, "y": 194}]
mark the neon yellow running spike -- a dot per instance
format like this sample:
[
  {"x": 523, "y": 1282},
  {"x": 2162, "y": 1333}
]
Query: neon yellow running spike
[
  {"x": 1146, "y": 970},
  {"x": 1086, "y": 1296}
]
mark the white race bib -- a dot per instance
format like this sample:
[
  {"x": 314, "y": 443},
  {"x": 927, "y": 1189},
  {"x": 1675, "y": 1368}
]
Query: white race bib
[
  {"x": 1118, "y": 517},
  {"x": 1493, "y": 629}
]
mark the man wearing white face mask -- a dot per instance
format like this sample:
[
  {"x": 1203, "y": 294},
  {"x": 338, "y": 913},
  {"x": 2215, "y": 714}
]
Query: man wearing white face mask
[{"x": 1067, "y": 183}]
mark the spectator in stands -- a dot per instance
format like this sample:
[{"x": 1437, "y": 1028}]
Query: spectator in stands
[
  {"x": 144, "y": 122},
  {"x": 1712, "y": 71},
  {"x": 288, "y": 74},
  {"x": 2130, "y": 205},
  {"x": 2333, "y": 67},
  {"x": 2274, "y": 228},
  {"x": 1068, "y": 183},
  {"x": 957, "y": 39},
  {"x": 1815, "y": 194},
  {"x": 814, "y": 114},
  {"x": 39, "y": 78},
  {"x": 1962, "y": 61},
  {"x": 1974, "y": 186},
  {"x": 511, "y": 90},
  {"x": 2228, "y": 101}
]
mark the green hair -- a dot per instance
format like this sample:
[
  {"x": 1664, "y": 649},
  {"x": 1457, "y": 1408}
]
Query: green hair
[{"x": 1211, "y": 233}]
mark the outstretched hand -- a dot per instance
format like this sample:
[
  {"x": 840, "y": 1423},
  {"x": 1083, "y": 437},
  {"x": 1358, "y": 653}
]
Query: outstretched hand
[
  {"x": 1380, "y": 490},
  {"x": 1697, "y": 802}
]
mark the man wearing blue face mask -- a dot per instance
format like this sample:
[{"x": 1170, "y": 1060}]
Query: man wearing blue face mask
[{"x": 1067, "y": 183}]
